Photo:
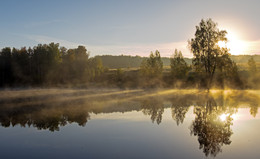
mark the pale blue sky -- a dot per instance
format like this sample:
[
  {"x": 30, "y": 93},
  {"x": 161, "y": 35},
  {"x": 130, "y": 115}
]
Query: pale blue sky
[{"x": 132, "y": 27}]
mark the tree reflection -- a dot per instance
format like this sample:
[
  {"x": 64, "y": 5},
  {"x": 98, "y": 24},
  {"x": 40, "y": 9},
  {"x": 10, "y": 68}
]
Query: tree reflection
[
  {"x": 181, "y": 104},
  {"x": 54, "y": 110},
  {"x": 178, "y": 114},
  {"x": 243, "y": 98},
  {"x": 153, "y": 107},
  {"x": 49, "y": 116},
  {"x": 212, "y": 131},
  {"x": 253, "y": 110}
]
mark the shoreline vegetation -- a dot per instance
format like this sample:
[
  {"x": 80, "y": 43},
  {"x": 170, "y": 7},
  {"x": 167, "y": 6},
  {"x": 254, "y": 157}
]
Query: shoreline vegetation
[
  {"x": 212, "y": 67},
  {"x": 18, "y": 70},
  {"x": 29, "y": 68}
]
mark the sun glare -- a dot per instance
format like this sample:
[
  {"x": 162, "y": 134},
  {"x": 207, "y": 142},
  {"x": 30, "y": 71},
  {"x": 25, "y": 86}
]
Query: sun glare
[
  {"x": 235, "y": 44},
  {"x": 222, "y": 44},
  {"x": 234, "y": 116},
  {"x": 223, "y": 117}
]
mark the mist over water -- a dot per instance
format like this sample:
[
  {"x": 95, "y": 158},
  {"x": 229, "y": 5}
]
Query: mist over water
[{"x": 209, "y": 123}]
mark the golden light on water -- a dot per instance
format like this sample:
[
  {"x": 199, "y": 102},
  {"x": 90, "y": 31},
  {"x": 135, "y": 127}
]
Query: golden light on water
[{"x": 234, "y": 44}]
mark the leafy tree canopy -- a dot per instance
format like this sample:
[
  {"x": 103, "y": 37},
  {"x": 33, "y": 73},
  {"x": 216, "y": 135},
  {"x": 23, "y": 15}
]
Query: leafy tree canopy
[{"x": 208, "y": 55}]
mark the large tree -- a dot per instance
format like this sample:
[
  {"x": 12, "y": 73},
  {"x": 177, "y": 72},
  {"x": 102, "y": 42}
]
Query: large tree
[{"x": 206, "y": 51}]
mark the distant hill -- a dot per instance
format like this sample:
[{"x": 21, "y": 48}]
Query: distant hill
[
  {"x": 124, "y": 61},
  {"x": 244, "y": 58}
]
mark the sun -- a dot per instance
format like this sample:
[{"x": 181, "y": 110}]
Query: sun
[
  {"x": 223, "y": 117},
  {"x": 234, "y": 44},
  {"x": 222, "y": 44}
]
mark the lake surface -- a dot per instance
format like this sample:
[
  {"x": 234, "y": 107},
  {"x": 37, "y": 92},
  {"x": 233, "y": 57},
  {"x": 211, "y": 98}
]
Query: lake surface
[{"x": 109, "y": 123}]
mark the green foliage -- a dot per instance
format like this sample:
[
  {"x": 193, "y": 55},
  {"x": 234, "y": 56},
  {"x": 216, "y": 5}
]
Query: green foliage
[
  {"x": 44, "y": 58},
  {"x": 153, "y": 66},
  {"x": 179, "y": 68},
  {"x": 95, "y": 68},
  {"x": 52, "y": 65},
  {"x": 252, "y": 65},
  {"x": 151, "y": 69},
  {"x": 254, "y": 76},
  {"x": 227, "y": 73}
]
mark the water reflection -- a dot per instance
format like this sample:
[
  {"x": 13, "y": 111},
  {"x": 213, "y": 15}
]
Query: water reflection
[
  {"x": 153, "y": 107},
  {"x": 50, "y": 110},
  {"x": 212, "y": 131},
  {"x": 180, "y": 106}
]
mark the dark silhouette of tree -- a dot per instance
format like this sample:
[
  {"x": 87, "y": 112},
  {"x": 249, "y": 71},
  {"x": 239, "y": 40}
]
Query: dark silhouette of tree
[
  {"x": 21, "y": 65},
  {"x": 6, "y": 66},
  {"x": 206, "y": 51},
  {"x": 47, "y": 64}
]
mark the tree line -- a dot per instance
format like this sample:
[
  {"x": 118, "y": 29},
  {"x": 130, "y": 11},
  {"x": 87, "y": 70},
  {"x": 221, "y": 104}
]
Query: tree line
[
  {"x": 212, "y": 66},
  {"x": 47, "y": 64},
  {"x": 52, "y": 65}
]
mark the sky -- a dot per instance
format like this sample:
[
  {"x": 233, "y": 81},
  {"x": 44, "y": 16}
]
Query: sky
[{"x": 129, "y": 27}]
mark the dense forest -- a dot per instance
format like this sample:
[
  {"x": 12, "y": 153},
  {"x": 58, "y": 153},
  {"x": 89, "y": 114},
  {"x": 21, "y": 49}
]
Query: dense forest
[
  {"x": 212, "y": 66},
  {"x": 45, "y": 65}
]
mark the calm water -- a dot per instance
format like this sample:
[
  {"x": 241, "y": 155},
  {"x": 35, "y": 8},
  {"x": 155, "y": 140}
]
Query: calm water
[{"x": 70, "y": 123}]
